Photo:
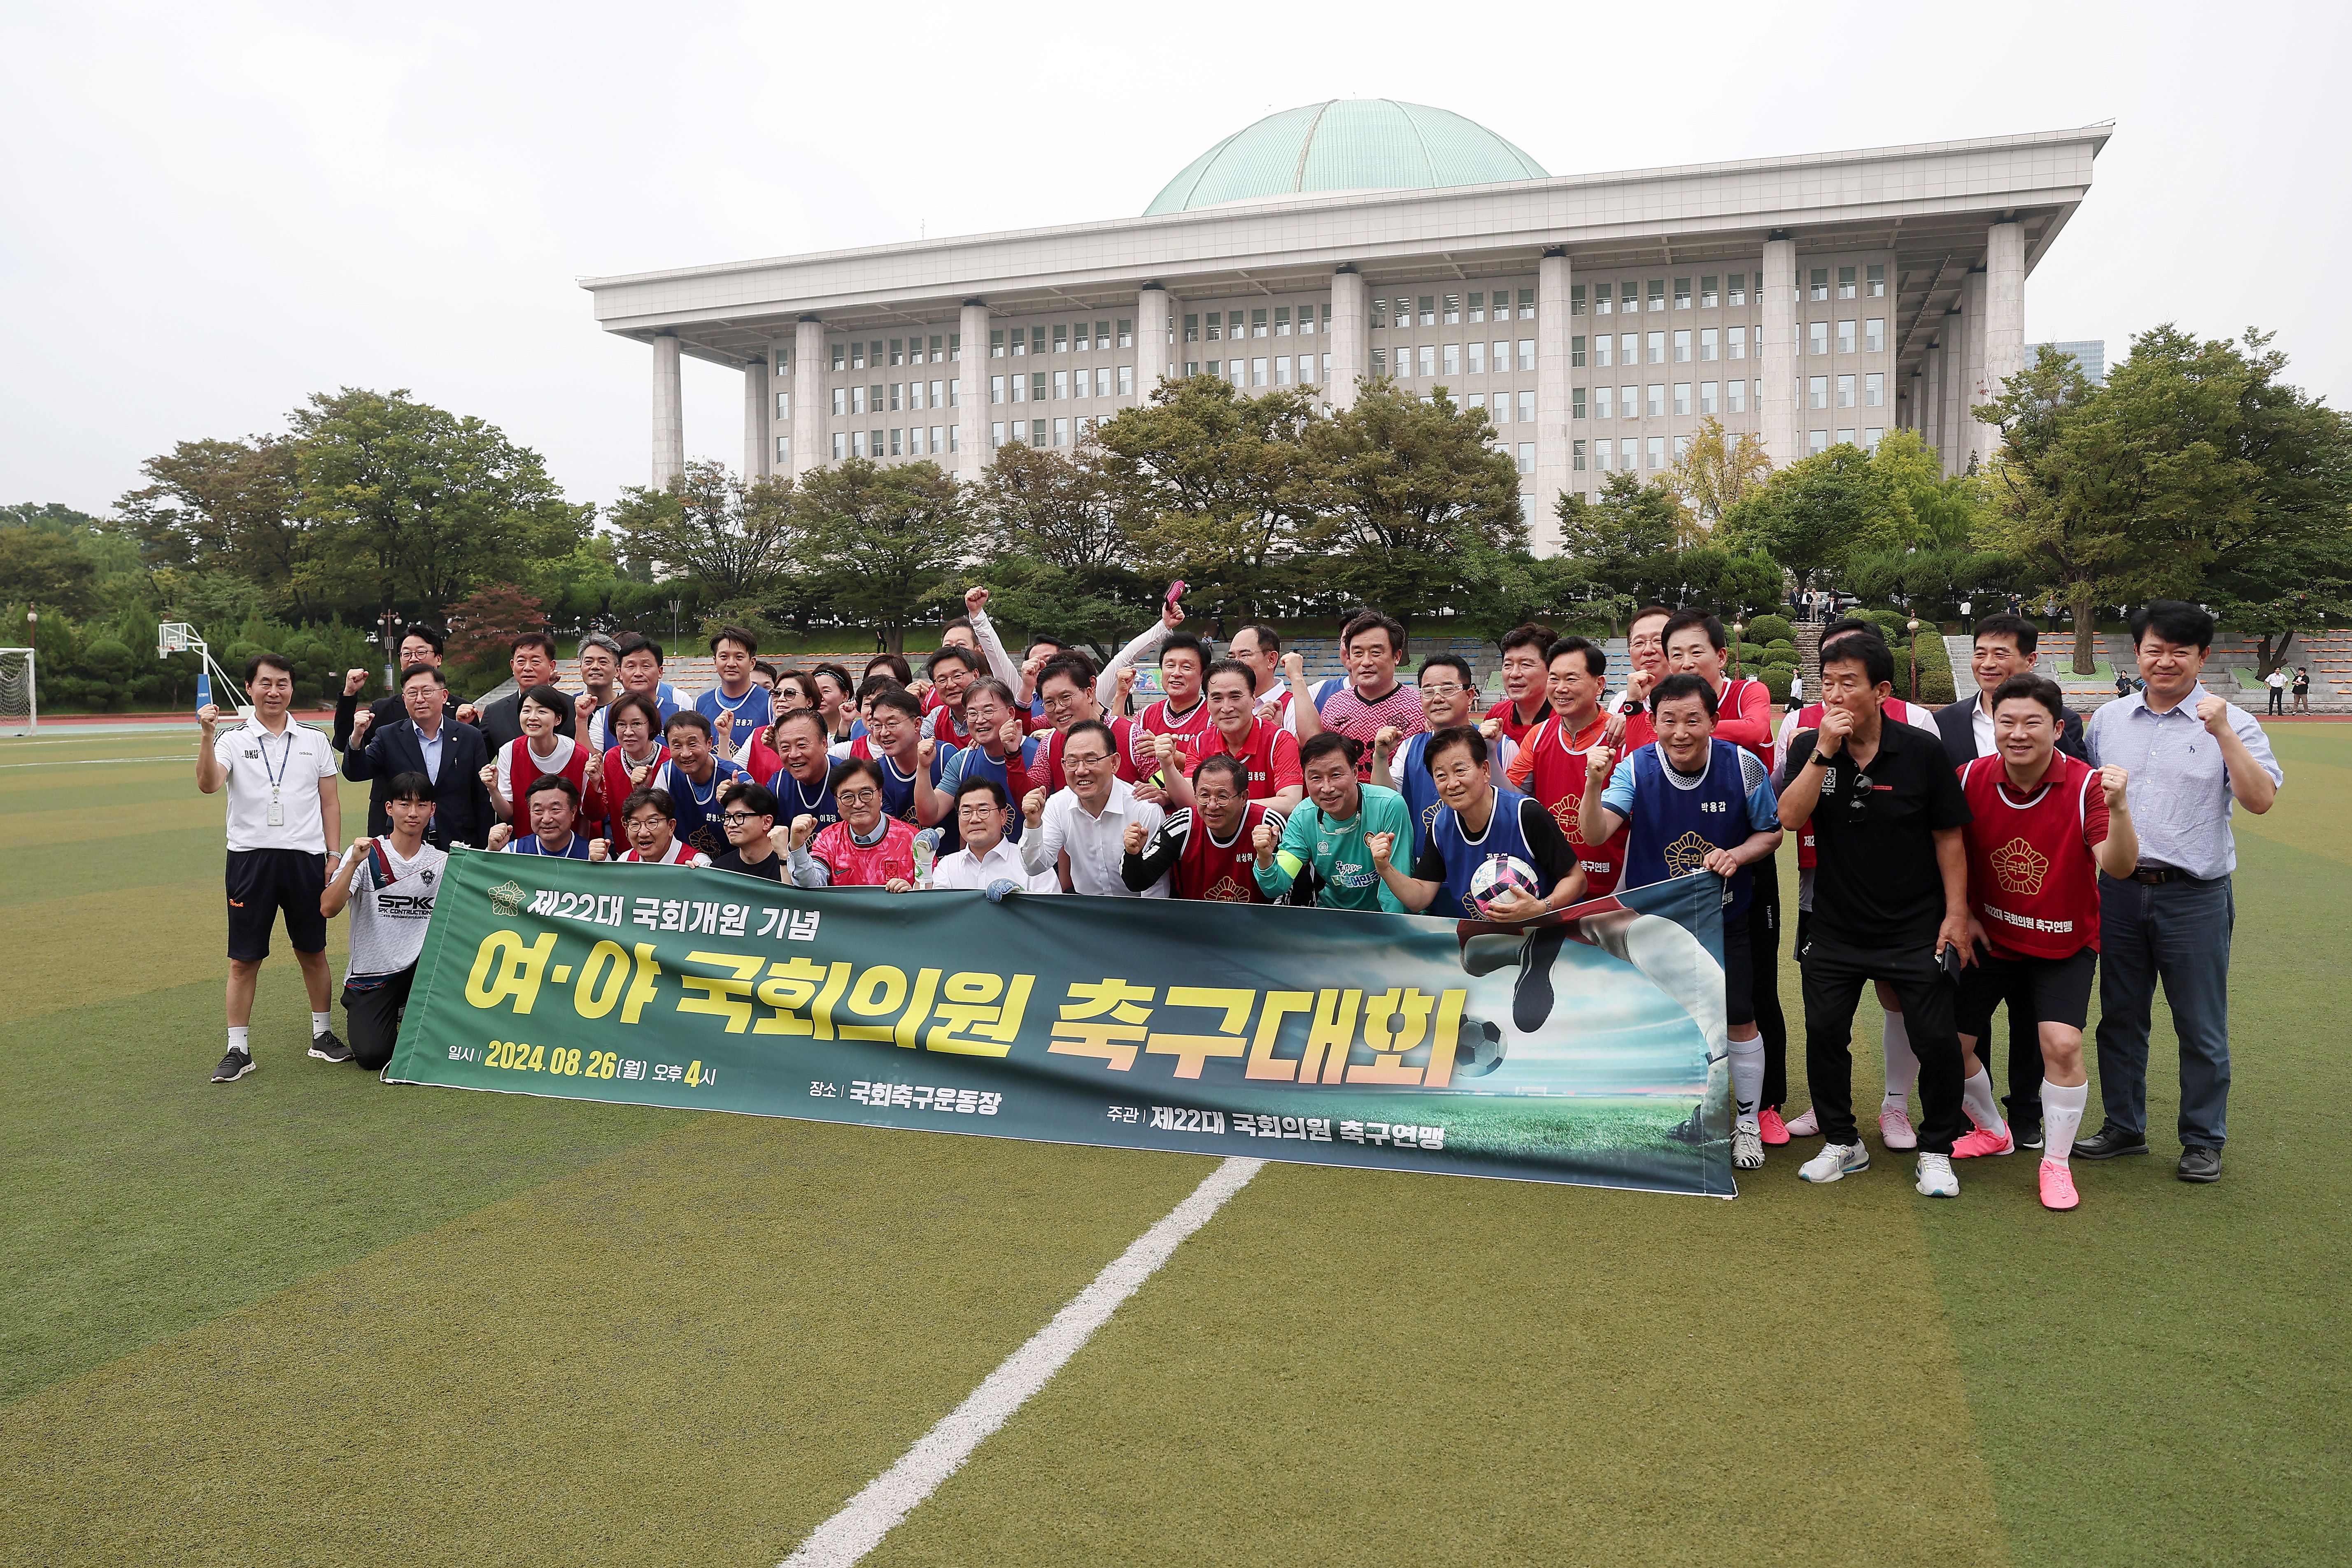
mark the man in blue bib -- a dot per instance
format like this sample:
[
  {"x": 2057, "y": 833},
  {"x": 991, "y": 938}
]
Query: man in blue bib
[
  {"x": 1695, "y": 803},
  {"x": 1479, "y": 820}
]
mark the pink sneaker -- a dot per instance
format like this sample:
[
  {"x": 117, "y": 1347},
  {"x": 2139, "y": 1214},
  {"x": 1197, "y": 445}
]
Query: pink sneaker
[
  {"x": 1805, "y": 1126},
  {"x": 1895, "y": 1128},
  {"x": 1984, "y": 1141},
  {"x": 2058, "y": 1186},
  {"x": 1770, "y": 1128}
]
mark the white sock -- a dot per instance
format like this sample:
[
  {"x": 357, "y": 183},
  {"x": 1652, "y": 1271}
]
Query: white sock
[
  {"x": 2062, "y": 1118},
  {"x": 1976, "y": 1095},
  {"x": 1748, "y": 1077},
  {"x": 240, "y": 1038},
  {"x": 1902, "y": 1067},
  {"x": 321, "y": 1023}
]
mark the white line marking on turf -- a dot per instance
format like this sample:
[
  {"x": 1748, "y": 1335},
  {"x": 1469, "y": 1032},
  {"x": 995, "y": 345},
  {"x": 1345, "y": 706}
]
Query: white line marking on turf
[
  {"x": 101, "y": 761},
  {"x": 888, "y": 1497}
]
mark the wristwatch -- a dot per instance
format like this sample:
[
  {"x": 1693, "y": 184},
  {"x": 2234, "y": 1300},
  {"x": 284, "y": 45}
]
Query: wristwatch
[{"x": 1822, "y": 758}]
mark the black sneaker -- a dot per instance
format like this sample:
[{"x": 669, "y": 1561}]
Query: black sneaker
[
  {"x": 327, "y": 1048},
  {"x": 2201, "y": 1165},
  {"x": 2027, "y": 1137},
  {"x": 2107, "y": 1143},
  {"x": 233, "y": 1066}
]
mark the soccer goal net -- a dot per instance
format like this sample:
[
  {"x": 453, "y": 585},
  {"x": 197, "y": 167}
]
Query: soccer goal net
[{"x": 19, "y": 706}]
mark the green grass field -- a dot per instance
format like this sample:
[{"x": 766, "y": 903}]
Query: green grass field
[{"x": 311, "y": 1319}]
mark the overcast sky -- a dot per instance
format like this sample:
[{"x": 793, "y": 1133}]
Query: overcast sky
[{"x": 213, "y": 211}]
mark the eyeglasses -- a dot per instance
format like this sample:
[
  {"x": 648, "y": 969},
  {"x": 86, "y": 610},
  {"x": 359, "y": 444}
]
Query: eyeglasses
[
  {"x": 854, "y": 796},
  {"x": 1441, "y": 688},
  {"x": 736, "y": 819}
]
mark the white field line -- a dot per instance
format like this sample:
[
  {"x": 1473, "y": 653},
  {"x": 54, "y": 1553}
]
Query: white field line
[
  {"x": 875, "y": 1511},
  {"x": 101, "y": 761}
]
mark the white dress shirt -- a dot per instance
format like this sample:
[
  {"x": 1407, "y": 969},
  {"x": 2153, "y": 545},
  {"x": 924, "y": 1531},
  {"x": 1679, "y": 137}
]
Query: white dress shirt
[
  {"x": 1097, "y": 844},
  {"x": 1002, "y": 864}
]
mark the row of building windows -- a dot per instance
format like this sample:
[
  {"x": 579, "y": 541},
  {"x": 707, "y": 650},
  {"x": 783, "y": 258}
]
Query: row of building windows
[
  {"x": 1102, "y": 381},
  {"x": 1264, "y": 320},
  {"x": 900, "y": 395},
  {"x": 1817, "y": 391},
  {"x": 1447, "y": 309},
  {"x": 910, "y": 441},
  {"x": 1283, "y": 369},
  {"x": 1863, "y": 281},
  {"x": 1630, "y": 452},
  {"x": 1061, "y": 337},
  {"x": 1627, "y": 402},
  {"x": 945, "y": 348},
  {"x": 1062, "y": 432},
  {"x": 1450, "y": 356}
]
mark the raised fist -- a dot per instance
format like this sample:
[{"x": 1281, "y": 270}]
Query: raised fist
[
  {"x": 2112, "y": 781},
  {"x": 1009, "y": 735},
  {"x": 1386, "y": 740},
  {"x": 1033, "y": 807},
  {"x": 1381, "y": 846},
  {"x": 1599, "y": 764},
  {"x": 501, "y": 836},
  {"x": 489, "y": 775},
  {"x": 1029, "y": 668},
  {"x": 1490, "y": 727},
  {"x": 468, "y": 714},
  {"x": 359, "y": 845},
  {"x": 1171, "y": 614},
  {"x": 918, "y": 688},
  {"x": 1294, "y": 665},
  {"x": 1163, "y": 749},
  {"x": 642, "y": 775},
  {"x": 361, "y": 722},
  {"x": 722, "y": 729},
  {"x": 354, "y": 682},
  {"x": 1135, "y": 838},
  {"x": 925, "y": 749},
  {"x": 1263, "y": 840},
  {"x": 803, "y": 827},
  {"x": 1126, "y": 685},
  {"x": 208, "y": 716},
  {"x": 598, "y": 852},
  {"x": 975, "y": 600},
  {"x": 2213, "y": 713}
]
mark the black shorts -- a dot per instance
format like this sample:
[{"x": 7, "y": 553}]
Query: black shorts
[
  {"x": 1738, "y": 972},
  {"x": 2060, "y": 988},
  {"x": 263, "y": 881}
]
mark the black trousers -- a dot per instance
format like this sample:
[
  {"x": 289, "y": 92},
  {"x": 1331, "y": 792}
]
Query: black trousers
[
  {"x": 1836, "y": 973},
  {"x": 374, "y": 1018},
  {"x": 2023, "y": 1100},
  {"x": 1764, "y": 975}
]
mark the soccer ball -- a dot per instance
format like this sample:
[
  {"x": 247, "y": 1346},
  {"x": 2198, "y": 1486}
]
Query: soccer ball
[{"x": 1497, "y": 872}]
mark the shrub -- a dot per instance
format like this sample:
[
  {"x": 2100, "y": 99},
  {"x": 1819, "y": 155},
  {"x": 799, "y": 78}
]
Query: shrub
[
  {"x": 1776, "y": 679},
  {"x": 1770, "y": 629}
]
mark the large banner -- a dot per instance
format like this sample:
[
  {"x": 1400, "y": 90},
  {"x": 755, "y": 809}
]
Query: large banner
[{"x": 1589, "y": 1048}]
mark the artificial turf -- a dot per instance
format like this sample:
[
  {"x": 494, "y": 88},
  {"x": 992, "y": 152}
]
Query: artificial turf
[{"x": 312, "y": 1318}]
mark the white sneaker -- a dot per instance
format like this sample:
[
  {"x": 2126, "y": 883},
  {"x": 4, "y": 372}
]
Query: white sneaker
[
  {"x": 1934, "y": 1178},
  {"x": 1894, "y": 1127},
  {"x": 1748, "y": 1148},
  {"x": 1805, "y": 1126},
  {"x": 1834, "y": 1161}
]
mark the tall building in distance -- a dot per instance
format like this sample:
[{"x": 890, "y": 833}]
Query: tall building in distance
[
  {"x": 2089, "y": 354},
  {"x": 1598, "y": 318}
]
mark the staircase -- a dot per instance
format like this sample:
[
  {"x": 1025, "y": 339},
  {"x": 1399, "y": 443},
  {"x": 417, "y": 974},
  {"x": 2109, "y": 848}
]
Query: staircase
[{"x": 1808, "y": 656}]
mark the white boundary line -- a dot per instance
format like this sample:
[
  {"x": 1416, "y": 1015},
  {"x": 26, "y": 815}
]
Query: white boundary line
[{"x": 875, "y": 1511}]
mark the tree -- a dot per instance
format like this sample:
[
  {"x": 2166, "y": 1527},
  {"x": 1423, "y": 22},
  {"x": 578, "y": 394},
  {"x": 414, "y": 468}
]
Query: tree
[
  {"x": 1213, "y": 485},
  {"x": 1820, "y": 513},
  {"x": 1056, "y": 548},
  {"x": 883, "y": 538},
  {"x": 229, "y": 506},
  {"x": 1400, "y": 488},
  {"x": 418, "y": 503},
  {"x": 1626, "y": 542},
  {"x": 1716, "y": 472},
  {"x": 734, "y": 540},
  {"x": 43, "y": 569},
  {"x": 485, "y": 623}
]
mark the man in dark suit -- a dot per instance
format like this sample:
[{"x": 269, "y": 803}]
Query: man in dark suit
[
  {"x": 2005, "y": 645},
  {"x": 418, "y": 645},
  {"x": 531, "y": 660},
  {"x": 427, "y": 741}
]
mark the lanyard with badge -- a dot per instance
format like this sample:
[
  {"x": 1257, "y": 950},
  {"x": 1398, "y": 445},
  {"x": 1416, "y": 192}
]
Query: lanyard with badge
[{"x": 277, "y": 817}]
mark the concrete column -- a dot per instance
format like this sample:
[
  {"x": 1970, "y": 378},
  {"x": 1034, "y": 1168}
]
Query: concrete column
[
  {"x": 1154, "y": 312},
  {"x": 2004, "y": 320},
  {"x": 1349, "y": 360},
  {"x": 1931, "y": 388},
  {"x": 1551, "y": 474},
  {"x": 972, "y": 378},
  {"x": 1952, "y": 407},
  {"x": 669, "y": 413},
  {"x": 1778, "y": 351},
  {"x": 759, "y": 454},
  {"x": 808, "y": 395}
]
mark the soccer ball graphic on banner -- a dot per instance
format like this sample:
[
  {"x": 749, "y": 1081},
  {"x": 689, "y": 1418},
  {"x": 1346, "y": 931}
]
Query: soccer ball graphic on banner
[{"x": 1497, "y": 872}]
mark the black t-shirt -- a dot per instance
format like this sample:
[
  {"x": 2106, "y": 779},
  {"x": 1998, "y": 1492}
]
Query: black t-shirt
[
  {"x": 1875, "y": 882},
  {"x": 731, "y": 858},
  {"x": 1547, "y": 848}
]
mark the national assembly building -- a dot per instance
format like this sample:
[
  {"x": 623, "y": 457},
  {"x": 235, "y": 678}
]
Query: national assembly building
[{"x": 1598, "y": 318}]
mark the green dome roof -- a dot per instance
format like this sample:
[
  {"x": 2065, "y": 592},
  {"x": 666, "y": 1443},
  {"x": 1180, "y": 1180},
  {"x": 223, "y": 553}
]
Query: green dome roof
[{"x": 1344, "y": 144}]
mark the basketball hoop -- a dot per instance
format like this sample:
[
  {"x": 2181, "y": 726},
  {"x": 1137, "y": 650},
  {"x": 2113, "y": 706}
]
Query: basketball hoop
[{"x": 180, "y": 637}]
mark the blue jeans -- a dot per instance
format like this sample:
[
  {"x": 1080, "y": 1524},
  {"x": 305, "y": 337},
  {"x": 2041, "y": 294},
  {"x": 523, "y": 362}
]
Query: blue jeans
[{"x": 2177, "y": 933}]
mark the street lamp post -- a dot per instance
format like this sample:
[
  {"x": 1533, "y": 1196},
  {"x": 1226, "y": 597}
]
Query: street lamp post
[
  {"x": 1913, "y": 627},
  {"x": 675, "y": 606},
  {"x": 1738, "y": 635}
]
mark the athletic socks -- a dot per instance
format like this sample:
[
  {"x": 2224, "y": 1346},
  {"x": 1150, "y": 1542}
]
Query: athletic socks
[
  {"x": 1976, "y": 1095},
  {"x": 2062, "y": 1118},
  {"x": 240, "y": 1038},
  {"x": 1748, "y": 1077},
  {"x": 1902, "y": 1067},
  {"x": 321, "y": 1023}
]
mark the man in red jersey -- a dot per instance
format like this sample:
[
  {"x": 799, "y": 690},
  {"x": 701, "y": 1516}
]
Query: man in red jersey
[
  {"x": 1210, "y": 848},
  {"x": 1894, "y": 1039},
  {"x": 1370, "y": 699},
  {"x": 1268, "y": 753},
  {"x": 1525, "y": 703},
  {"x": 1551, "y": 768},
  {"x": 1182, "y": 714},
  {"x": 2044, "y": 825},
  {"x": 1065, "y": 684}
]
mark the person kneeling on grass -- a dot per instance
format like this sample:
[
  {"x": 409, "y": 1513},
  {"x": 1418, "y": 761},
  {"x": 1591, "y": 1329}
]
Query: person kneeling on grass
[
  {"x": 1693, "y": 802},
  {"x": 2042, "y": 826},
  {"x": 388, "y": 883},
  {"x": 865, "y": 849},
  {"x": 651, "y": 823}
]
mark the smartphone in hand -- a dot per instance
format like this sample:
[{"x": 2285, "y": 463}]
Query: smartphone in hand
[{"x": 1175, "y": 591}]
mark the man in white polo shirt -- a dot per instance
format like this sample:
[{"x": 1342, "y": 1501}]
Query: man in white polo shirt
[
  {"x": 1086, "y": 822},
  {"x": 285, "y": 818}
]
